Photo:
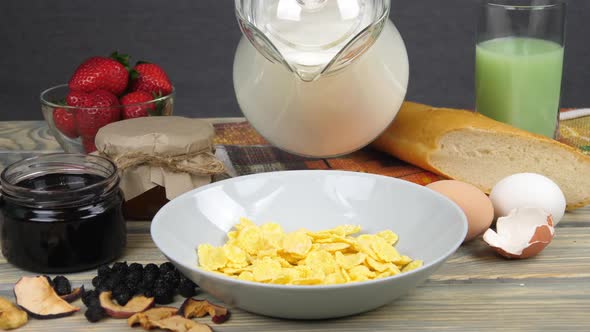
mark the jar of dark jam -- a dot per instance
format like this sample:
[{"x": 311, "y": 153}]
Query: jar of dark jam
[{"x": 61, "y": 213}]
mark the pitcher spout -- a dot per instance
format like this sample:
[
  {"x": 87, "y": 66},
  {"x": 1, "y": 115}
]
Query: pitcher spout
[
  {"x": 312, "y": 37},
  {"x": 307, "y": 72},
  {"x": 308, "y": 76}
]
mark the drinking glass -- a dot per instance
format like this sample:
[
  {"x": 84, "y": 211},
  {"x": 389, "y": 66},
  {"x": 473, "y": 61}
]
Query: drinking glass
[{"x": 519, "y": 63}]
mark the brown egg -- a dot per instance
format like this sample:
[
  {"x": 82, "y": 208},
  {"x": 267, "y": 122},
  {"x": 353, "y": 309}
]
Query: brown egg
[{"x": 475, "y": 204}]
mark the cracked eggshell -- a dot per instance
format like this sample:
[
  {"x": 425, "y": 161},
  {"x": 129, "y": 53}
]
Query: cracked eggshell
[
  {"x": 524, "y": 233},
  {"x": 528, "y": 190}
]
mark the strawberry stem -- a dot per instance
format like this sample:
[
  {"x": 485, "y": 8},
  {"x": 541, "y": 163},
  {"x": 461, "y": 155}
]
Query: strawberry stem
[
  {"x": 60, "y": 102},
  {"x": 133, "y": 75},
  {"x": 121, "y": 58}
]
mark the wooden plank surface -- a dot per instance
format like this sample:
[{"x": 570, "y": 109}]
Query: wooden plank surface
[
  {"x": 30, "y": 136},
  {"x": 475, "y": 290}
]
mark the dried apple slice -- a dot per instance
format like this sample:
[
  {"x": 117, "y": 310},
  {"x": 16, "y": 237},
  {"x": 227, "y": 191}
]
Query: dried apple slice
[
  {"x": 166, "y": 318},
  {"x": 135, "y": 305},
  {"x": 180, "y": 324},
  {"x": 75, "y": 294},
  {"x": 36, "y": 296},
  {"x": 146, "y": 318},
  {"x": 201, "y": 328},
  {"x": 199, "y": 308},
  {"x": 523, "y": 233},
  {"x": 11, "y": 317}
]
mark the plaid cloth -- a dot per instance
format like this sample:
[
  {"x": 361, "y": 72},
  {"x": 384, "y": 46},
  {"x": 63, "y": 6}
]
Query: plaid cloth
[{"x": 244, "y": 151}]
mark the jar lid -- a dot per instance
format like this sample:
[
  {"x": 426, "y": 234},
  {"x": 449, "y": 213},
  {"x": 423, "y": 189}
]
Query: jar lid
[
  {"x": 170, "y": 151},
  {"x": 162, "y": 135},
  {"x": 18, "y": 180}
]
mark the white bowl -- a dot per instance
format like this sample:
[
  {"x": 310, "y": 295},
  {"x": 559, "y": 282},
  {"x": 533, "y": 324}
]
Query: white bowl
[{"x": 430, "y": 228}]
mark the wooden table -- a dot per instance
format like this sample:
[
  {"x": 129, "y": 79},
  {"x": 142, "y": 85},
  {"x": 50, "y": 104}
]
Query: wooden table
[{"x": 474, "y": 291}]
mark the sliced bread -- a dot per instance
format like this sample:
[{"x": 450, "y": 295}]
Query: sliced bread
[{"x": 470, "y": 147}]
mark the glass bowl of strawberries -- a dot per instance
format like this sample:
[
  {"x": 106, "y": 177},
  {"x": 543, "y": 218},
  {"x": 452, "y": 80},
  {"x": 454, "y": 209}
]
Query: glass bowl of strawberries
[{"x": 103, "y": 90}]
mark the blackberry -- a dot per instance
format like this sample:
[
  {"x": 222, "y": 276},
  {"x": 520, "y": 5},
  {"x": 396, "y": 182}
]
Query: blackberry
[
  {"x": 62, "y": 285},
  {"x": 120, "y": 267},
  {"x": 135, "y": 276},
  {"x": 94, "y": 314},
  {"x": 90, "y": 298},
  {"x": 138, "y": 290},
  {"x": 88, "y": 294},
  {"x": 63, "y": 289},
  {"x": 107, "y": 285},
  {"x": 132, "y": 285},
  {"x": 163, "y": 295},
  {"x": 104, "y": 271},
  {"x": 150, "y": 275},
  {"x": 166, "y": 267},
  {"x": 148, "y": 280},
  {"x": 147, "y": 284},
  {"x": 102, "y": 288},
  {"x": 119, "y": 289},
  {"x": 162, "y": 284},
  {"x": 124, "y": 297},
  {"x": 186, "y": 287},
  {"x": 113, "y": 280},
  {"x": 136, "y": 267},
  {"x": 97, "y": 281},
  {"x": 92, "y": 302},
  {"x": 148, "y": 293},
  {"x": 151, "y": 269},
  {"x": 176, "y": 273},
  {"x": 172, "y": 278}
]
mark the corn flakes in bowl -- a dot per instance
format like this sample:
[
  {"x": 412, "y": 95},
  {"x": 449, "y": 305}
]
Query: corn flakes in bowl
[{"x": 309, "y": 244}]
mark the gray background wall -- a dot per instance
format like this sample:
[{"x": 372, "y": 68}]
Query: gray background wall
[{"x": 194, "y": 40}]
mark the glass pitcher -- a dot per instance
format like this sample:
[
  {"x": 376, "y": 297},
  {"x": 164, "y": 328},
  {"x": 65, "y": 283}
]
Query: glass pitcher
[{"x": 319, "y": 78}]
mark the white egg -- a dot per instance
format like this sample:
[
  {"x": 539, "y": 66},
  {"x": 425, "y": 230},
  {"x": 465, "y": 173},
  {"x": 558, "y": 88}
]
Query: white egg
[{"x": 528, "y": 190}]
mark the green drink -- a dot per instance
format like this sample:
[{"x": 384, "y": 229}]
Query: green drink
[
  {"x": 519, "y": 63},
  {"x": 518, "y": 81}
]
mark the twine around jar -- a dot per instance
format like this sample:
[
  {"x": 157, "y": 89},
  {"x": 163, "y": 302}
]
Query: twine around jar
[{"x": 207, "y": 165}]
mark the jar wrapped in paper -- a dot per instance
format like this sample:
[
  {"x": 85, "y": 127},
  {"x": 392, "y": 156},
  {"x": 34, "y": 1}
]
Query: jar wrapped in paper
[{"x": 159, "y": 158}]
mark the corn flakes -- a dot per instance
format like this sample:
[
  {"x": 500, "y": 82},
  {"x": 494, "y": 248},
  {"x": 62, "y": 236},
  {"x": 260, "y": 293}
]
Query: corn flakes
[
  {"x": 412, "y": 266},
  {"x": 297, "y": 243},
  {"x": 267, "y": 254},
  {"x": 211, "y": 258}
]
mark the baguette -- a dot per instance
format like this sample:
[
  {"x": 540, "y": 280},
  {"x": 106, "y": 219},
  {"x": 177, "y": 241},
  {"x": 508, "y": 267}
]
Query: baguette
[{"x": 470, "y": 147}]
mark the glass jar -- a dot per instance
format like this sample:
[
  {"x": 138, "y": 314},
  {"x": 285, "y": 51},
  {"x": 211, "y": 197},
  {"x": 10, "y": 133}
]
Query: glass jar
[{"x": 61, "y": 213}]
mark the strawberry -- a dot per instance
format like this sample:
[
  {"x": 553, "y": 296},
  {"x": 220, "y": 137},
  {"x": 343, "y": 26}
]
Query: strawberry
[
  {"x": 130, "y": 107},
  {"x": 79, "y": 99},
  {"x": 65, "y": 122},
  {"x": 102, "y": 73},
  {"x": 91, "y": 119},
  {"x": 88, "y": 144},
  {"x": 150, "y": 78}
]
